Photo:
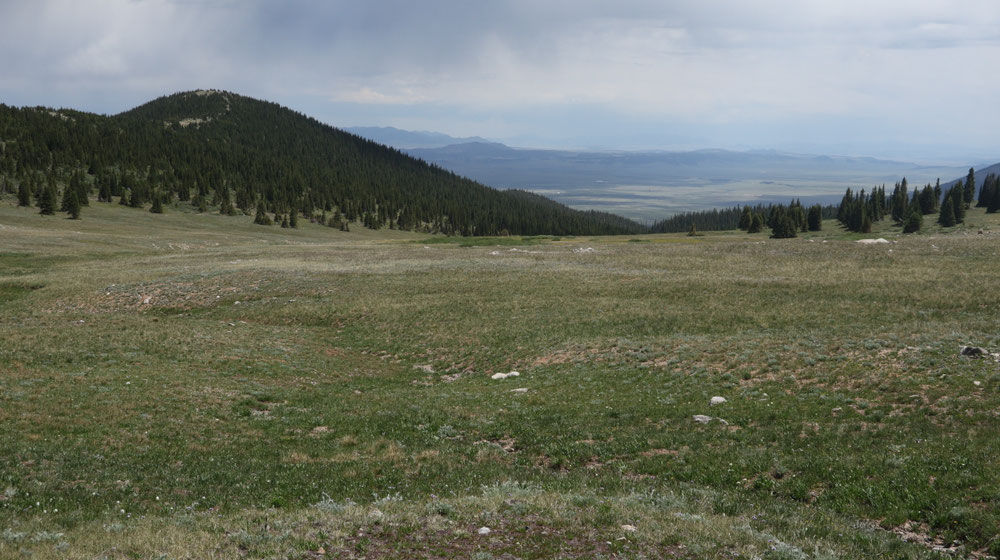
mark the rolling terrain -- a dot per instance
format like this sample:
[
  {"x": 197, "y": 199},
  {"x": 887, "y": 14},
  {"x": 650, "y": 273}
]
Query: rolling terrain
[{"x": 190, "y": 385}]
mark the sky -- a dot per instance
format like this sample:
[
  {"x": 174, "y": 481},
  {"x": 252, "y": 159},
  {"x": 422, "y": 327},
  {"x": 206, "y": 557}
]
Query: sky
[{"x": 910, "y": 79}]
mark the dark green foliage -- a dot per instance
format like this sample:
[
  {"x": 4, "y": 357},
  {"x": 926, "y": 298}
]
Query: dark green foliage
[
  {"x": 73, "y": 205},
  {"x": 293, "y": 219},
  {"x": 47, "y": 201},
  {"x": 815, "y": 218},
  {"x": 857, "y": 212},
  {"x": 262, "y": 218},
  {"x": 899, "y": 201},
  {"x": 914, "y": 220},
  {"x": 947, "y": 216},
  {"x": 284, "y": 221},
  {"x": 957, "y": 194},
  {"x": 724, "y": 219},
  {"x": 970, "y": 187},
  {"x": 746, "y": 218},
  {"x": 104, "y": 191},
  {"x": 783, "y": 222},
  {"x": 693, "y": 231},
  {"x": 157, "y": 207},
  {"x": 756, "y": 223},
  {"x": 989, "y": 194},
  {"x": 23, "y": 196},
  {"x": 67, "y": 193},
  {"x": 928, "y": 201},
  {"x": 258, "y": 151}
]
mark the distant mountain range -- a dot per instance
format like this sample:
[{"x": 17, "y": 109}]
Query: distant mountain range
[
  {"x": 404, "y": 139},
  {"x": 650, "y": 185}
]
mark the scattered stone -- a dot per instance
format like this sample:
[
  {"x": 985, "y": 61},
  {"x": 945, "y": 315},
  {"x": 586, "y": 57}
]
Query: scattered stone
[
  {"x": 976, "y": 383},
  {"x": 504, "y": 375},
  {"x": 484, "y": 531},
  {"x": 426, "y": 368},
  {"x": 717, "y": 400},
  {"x": 629, "y": 528},
  {"x": 702, "y": 419},
  {"x": 584, "y": 250},
  {"x": 837, "y": 410},
  {"x": 146, "y": 300},
  {"x": 525, "y": 389},
  {"x": 872, "y": 241}
]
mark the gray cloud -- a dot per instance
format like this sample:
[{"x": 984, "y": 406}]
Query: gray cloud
[{"x": 710, "y": 70}]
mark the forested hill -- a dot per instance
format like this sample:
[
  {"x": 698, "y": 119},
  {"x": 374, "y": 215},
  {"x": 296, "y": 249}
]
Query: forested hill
[{"x": 224, "y": 152}]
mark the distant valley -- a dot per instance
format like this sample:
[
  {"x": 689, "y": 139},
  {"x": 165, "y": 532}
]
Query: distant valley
[{"x": 651, "y": 185}]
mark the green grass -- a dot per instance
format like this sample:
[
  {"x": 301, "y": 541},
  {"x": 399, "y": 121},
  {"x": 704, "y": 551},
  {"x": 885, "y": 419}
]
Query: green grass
[{"x": 190, "y": 386}]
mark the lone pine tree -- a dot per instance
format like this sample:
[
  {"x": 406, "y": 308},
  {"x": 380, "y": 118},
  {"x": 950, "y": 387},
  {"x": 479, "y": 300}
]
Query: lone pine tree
[
  {"x": 73, "y": 205},
  {"x": 947, "y": 216},
  {"x": 47, "y": 201}
]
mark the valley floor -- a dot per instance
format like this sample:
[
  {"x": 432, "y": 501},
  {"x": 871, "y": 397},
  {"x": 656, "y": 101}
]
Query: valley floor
[{"x": 193, "y": 386}]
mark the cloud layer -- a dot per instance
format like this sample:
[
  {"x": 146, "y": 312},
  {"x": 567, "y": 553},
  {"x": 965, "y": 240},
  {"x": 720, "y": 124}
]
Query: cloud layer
[{"x": 585, "y": 72}]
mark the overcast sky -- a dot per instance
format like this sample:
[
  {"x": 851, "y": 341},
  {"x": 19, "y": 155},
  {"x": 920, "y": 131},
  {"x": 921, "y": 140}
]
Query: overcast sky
[{"x": 915, "y": 78}]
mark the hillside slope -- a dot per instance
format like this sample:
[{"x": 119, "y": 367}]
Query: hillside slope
[{"x": 215, "y": 148}]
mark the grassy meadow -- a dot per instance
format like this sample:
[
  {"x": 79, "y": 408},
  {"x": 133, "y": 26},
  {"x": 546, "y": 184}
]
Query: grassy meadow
[{"x": 194, "y": 386}]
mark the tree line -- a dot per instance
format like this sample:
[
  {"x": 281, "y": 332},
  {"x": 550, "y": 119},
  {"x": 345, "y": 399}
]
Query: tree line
[{"x": 858, "y": 211}]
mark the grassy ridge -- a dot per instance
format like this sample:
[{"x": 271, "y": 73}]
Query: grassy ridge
[{"x": 175, "y": 385}]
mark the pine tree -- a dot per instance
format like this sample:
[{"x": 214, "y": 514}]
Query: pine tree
[
  {"x": 756, "y": 223},
  {"x": 157, "y": 207},
  {"x": 23, "y": 195},
  {"x": 67, "y": 193},
  {"x": 693, "y": 231},
  {"x": 914, "y": 220},
  {"x": 958, "y": 198},
  {"x": 293, "y": 219},
  {"x": 947, "y": 216},
  {"x": 73, "y": 205},
  {"x": 815, "y": 218},
  {"x": 104, "y": 193},
  {"x": 284, "y": 221},
  {"x": 970, "y": 187},
  {"x": 262, "y": 218},
  {"x": 866, "y": 223},
  {"x": 47, "y": 201},
  {"x": 746, "y": 218}
]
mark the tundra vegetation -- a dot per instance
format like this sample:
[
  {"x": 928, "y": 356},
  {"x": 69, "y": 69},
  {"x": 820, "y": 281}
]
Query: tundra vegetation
[{"x": 192, "y": 385}]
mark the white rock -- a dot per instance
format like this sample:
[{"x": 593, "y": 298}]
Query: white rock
[
  {"x": 702, "y": 419},
  {"x": 484, "y": 531},
  {"x": 525, "y": 389},
  {"x": 717, "y": 400},
  {"x": 871, "y": 241},
  {"x": 504, "y": 375},
  {"x": 629, "y": 528},
  {"x": 976, "y": 383}
]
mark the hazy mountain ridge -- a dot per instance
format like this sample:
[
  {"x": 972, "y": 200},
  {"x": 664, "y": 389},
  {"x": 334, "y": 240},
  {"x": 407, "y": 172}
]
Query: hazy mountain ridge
[
  {"x": 649, "y": 185},
  {"x": 405, "y": 139}
]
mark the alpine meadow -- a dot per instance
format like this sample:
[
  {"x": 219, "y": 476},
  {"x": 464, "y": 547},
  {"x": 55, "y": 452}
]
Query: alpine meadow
[{"x": 499, "y": 280}]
